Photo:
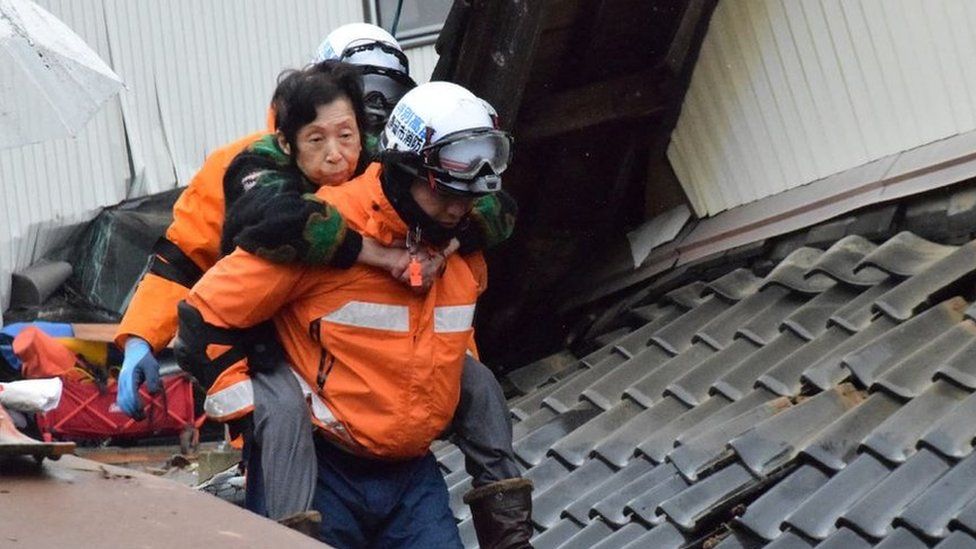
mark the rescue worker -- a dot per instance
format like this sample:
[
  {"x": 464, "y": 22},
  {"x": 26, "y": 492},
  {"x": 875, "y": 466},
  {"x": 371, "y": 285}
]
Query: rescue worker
[
  {"x": 482, "y": 425},
  {"x": 379, "y": 364}
]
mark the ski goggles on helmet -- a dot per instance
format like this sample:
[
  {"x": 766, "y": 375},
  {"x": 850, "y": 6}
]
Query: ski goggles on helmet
[
  {"x": 376, "y": 54},
  {"x": 465, "y": 154},
  {"x": 465, "y": 188},
  {"x": 382, "y": 89}
]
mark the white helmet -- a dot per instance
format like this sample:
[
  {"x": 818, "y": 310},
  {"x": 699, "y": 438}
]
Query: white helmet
[
  {"x": 384, "y": 67},
  {"x": 453, "y": 134},
  {"x": 368, "y": 40}
]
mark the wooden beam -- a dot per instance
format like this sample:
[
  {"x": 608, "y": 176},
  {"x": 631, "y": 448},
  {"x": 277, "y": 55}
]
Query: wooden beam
[
  {"x": 625, "y": 98},
  {"x": 688, "y": 38},
  {"x": 497, "y": 48}
]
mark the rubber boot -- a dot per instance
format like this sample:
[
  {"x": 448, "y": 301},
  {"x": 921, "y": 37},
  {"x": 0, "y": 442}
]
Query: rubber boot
[{"x": 502, "y": 513}]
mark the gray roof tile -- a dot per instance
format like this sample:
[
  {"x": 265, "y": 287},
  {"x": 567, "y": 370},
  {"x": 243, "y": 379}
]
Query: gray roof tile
[
  {"x": 698, "y": 501},
  {"x": 650, "y": 388},
  {"x": 658, "y": 443},
  {"x": 740, "y": 379},
  {"x": 611, "y": 509},
  {"x": 755, "y": 398},
  {"x": 966, "y": 519},
  {"x": 557, "y": 535},
  {"x": 952, "y": 436},
  {"x": 608, "y": 391},
  {"x": 632, "y": 342},
  {"x": 665, "y": 536},
  {"x": 816, "y": 516},
  {"x": 548, "y": 505},
  {"x": 912, "y": 374},
  {"x": 872, "y": 515},
  {"x": 576, "y": 446},
  {"x": 618, "y": 447},
  {"x": 930, "y": 513},
  {"x": 789, "y": 540},
  {"x": 783, "y": 378},
  {"x": 567, "y": 395},
  {"x": 868, "y": 362},
  {"x": 688, "y": 296},
  {"x": 622, "y": 537},
  {"x": 810, "y": 320},
  {"x": 700, "y": 453},
  {"x": 741, "y": 540},
  {"x": 836, "y": 445},
  {"x": 677, "y": 336},
  {"x": 957, "y": 540},
  {"x": 765, "y": 326},
  {"x": 531, "y": 377},
  {"x": 905, "y": 254},
  {"x": 902, "y": 538},
  {"x": 839, "y": 260},
  {"x": 844, "y": 539},
  {"x": 643, "y": 508},
  {"x": 905, "y": 300},
  {"x": 825, "y": 366},
  {"x": 719, "y": 331},
  {"x": 590, "y": 535},
  {"x": 533, "y": 447},
  {"x": 895, "y": 439},
  {"x": 579, "y": 509},
  {"x": 856, "y": 315},
  {"x": 961, "y": 367},
  {"x": 546, "y": 474},
  {"x": 790, "y": 273},
  {"x": 469, "y": 538},
  {"x": 692, "y": 386},
  {"x": 764, "y": 516},
  {"x": 776, "y": 441}
]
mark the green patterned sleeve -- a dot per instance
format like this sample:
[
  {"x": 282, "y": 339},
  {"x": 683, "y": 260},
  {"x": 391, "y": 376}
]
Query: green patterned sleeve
[
  {"x": 492, "y": 222},
  {"x": 274, "y": 217}
]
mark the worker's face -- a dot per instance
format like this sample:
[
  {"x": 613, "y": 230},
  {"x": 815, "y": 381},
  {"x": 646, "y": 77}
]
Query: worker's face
[
  {"x": 446, "y": 209},
  {"x": 329, "y": 146}
]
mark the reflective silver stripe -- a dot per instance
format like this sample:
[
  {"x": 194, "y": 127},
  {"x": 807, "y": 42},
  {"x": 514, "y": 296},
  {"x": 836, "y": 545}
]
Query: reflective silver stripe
[
  {"x": 233, "y": 399},
  {"x": 455, "y": 318},
  {"x": 378, "y": 316}
]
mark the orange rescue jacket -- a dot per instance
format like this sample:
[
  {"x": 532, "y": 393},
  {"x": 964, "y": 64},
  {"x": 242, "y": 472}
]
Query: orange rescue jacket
[
  {"x": 380, "y": 364},
  {"x": 198, "y": 218}
]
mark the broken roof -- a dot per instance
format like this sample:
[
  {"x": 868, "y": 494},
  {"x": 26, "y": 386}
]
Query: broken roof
[{"x": 828, "y": 402}]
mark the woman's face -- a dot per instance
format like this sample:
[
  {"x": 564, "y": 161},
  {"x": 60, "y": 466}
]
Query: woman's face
[{"x": 329, "y": 146}]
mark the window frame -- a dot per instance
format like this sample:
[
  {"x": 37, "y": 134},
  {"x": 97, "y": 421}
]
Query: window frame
[{"x": 415, "y": 38}]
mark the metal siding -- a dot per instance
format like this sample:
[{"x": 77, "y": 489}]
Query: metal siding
[
  {"x": 422, "y": 59},
  {"x": 786, "y": 92},
  {"x": 198, "y": 74}
]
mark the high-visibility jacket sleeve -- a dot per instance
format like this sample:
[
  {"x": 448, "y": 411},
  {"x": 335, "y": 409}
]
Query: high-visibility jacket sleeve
[
  {"x": 243, "y": 290},
  {"x": 192, "y": 244}
]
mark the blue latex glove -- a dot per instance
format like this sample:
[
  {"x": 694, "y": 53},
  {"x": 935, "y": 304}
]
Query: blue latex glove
[{"x": 138, "y": 366}]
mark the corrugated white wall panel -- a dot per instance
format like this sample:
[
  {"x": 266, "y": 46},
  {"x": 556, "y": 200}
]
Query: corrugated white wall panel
[
  {"x": 422, "y": 59},
  {"x": 787, "y": 92}
]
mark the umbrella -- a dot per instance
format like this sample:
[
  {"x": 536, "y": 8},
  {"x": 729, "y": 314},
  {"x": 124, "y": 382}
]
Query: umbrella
[{"x": 52, "y": 82}]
